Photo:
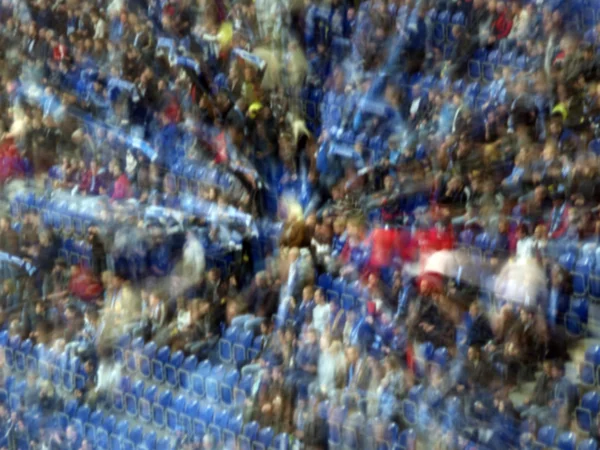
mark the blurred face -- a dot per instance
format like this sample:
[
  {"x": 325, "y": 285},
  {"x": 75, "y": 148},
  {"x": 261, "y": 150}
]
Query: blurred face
[
  {"x": 473, "y": 354},
  {"x": 474, "y": 309}
]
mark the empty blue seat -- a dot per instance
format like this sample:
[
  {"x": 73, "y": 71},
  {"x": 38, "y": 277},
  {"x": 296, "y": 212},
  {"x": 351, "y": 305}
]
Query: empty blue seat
[
  {"x": 263, "y": 439},
  {"x": 158, "y": 363},
  {"x": 226, "y": 388},
  {"x": 150, "y": 440},
  {"x": 221, "y": 419},
  {"x": 190, "y": 413},
  {"x": 587, "y": 410},
  {"x": 587, "y": 373},
  {"x": 588, "y": 444},
  {"x": 566, "y": 441},
  {"x": 281, "y": 442},
  {"x": 145, "y": 359},
  {"x": 185, "y": 372},
  {"x": 232, "y": 430},
  {"x": 145, "y": 404},
  {"x": 136, "y": 434},
  {"x": 226, "y": 344},
  {"x": 121, "y": 345},
  {"x": 159, "y": 408},
  {"x": 441, "y": 357},
  {"x": 199, "y": 376},
  {"x": 243, "y": 389},
  {"x": 94, "y": 422},
  {"x": 240, "y": 348},
  {"x": 163, "y": 444},
  {"x": 324, "y": 281},
  {"x": 248, "y": 435},
  {"x": 212, "y": 383},
  {"x": 546, "y": 436},
  {"x": 172, "y": 368},
  {"x": 592, "y": 355},
  {"x": 172, "y": 413},
  {"x": 204, "y": 419}
]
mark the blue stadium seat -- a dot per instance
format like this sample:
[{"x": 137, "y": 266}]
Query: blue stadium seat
[
  {"x": 163, "y": 444},
  {"x": 158, "y": 364},
  {"x": 150, "y": 440},
  {"x": 190, "y": 413},
  {"x": 145, "y": 359},
  {"x": 204, "y": 419},
  {"x": 232, "y": 430},
  {"x": 566, "y": 441},
  {"x": 594, "y": 286},
  {"x": 185, "y": 372},
  {"x": 281, "y": 442},
  {"x": 159, "y": 408},
  {"x": 172, "y": 368},
  {"x": 263, "y": 439},
  {"x": 407, "y": 439},
  {"x": 212, "y": 383},
  {"x": 145, "y": 404},
  {"x": 174, "y": 411},
  {"x": 546, "y": 436},
  {"x": 122, "y": 344},
  {"x": 199, "y": 376},
  {"x": 580, "y": 275},
  {"x": 243, "y": 389},
  {"x": 588, "y": 444},
  {"x": 587, "y": 373},
  {"x": 594, "y": 146},
  {"x": 132, "y": 398},
  {"x": 221, "y": 419},
  {"x": 587, "y": 411},
  {"x": 227, "y": 386},
  {"x": 226, "y": 344},
  {"x": 248, "y": 435},
  {"x": 240, "y": 348}
]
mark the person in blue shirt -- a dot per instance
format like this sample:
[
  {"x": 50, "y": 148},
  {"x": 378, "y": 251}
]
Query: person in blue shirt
[{"x": 304, "y": 310}]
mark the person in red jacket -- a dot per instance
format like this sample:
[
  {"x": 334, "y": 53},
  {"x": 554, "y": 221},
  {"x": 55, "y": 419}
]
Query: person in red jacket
[
  {"x": 503, "y": 24},
  {"x": 121, "y": 187}
]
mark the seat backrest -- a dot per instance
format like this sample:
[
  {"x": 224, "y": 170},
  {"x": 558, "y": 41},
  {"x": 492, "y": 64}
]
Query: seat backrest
[
  {"x": 251, "y": 430},
  {"x": 164, "y": 399},
  {"x": 122, "y": 428},
  {"x": 179, "y": 403},
  {"x": 265, "y": 436},
  {"x": 207, "y": 413},
  {"x": 163, "y": 354},
  {"x": 176, "y": 358},
  {"x": 150, "y": 349},
  {"x": 547, "y": 435},
  {"x": 222, "y": 418},
  {"x": 588, "y": 444},
  {"x": 232, "y": 377},
  {"x": 135, "y": 434},
  {"x": 109, "y": 424},
  {"x": 150, "y": 393},
  {"x": 591, "y": 402},
  {"x": 190, "y": 363}
]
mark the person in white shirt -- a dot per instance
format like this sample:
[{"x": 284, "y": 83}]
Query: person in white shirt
[
  {"x": 320, "y": 312},
  {"x": 525, "y": 243},
  {"x": 100, "y": 30}
]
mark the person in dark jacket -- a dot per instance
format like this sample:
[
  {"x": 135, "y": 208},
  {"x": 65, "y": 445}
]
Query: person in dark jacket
[
  {"x": 9, "y": 238},
  {"x": 479, "y": 330}
]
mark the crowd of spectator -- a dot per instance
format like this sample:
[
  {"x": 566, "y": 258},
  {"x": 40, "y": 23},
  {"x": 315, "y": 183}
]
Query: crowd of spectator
[{"x": 389, "y": 207}]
